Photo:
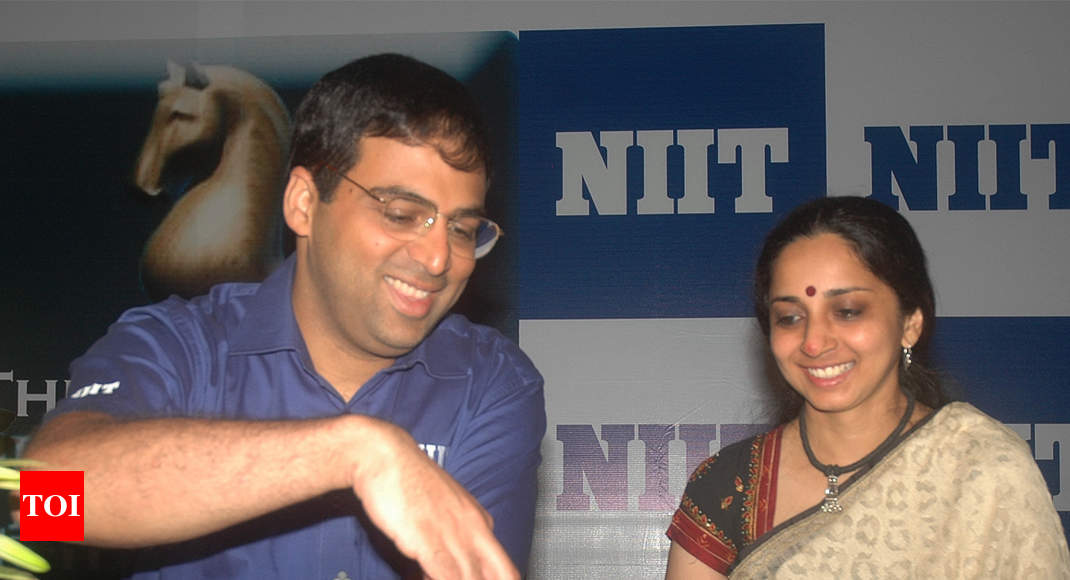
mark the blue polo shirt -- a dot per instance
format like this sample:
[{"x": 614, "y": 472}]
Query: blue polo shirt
[{"x": 467, "y": 394}]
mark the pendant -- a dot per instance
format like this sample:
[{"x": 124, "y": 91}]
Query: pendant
[{"x": 832, "y": 496}]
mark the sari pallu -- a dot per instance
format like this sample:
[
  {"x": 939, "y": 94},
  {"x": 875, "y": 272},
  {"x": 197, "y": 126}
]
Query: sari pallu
[{"x": 960, "y": 497}]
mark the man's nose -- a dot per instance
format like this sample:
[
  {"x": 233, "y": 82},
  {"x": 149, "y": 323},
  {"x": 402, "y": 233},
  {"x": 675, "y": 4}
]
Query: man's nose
[{"x": 432, "y": 248}]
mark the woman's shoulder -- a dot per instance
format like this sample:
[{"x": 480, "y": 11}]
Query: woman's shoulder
[
  {"x": 963, "y": 421},
  {"x": 721, "y": 483},
  {"x": 996, "y": 490},
  {"x": 725, "y": 504},
  {"x": 730, "y": 458},
  {"x": 961, "y": 433}
]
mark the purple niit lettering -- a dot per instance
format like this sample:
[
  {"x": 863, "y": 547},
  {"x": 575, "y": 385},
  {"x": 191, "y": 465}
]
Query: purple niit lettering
[
  {"x": 732, "y": 432},
  {"x": 697, "y": 440},
  {"x": 606, "y": 476},
  {"x": 656, "y": 495}
]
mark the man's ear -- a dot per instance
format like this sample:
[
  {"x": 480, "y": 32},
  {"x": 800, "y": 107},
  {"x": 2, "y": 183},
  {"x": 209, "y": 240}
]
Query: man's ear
[{"x": 298, "y": 199}]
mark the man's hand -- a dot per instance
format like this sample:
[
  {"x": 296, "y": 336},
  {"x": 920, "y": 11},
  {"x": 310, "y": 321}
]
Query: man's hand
[
  {"x": 145, "y": 480},
  {"x": 430, "y": 517}
]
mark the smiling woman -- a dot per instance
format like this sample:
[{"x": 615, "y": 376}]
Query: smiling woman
[
  {"x": 840, "y": 348},
  {"x": 871, "y": 470}
]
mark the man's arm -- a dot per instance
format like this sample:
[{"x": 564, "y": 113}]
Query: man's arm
[
  {"x": 498, "y": 460},
  {"x": 495, "y": 454},
  {"x": 157, "y": 481}
]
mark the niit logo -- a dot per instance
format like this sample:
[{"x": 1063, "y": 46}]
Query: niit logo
[{"x": 51, "y": 506}]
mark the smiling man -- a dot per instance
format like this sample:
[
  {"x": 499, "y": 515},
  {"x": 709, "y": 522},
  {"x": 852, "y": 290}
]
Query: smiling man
[{"x": 334, "y": 421}]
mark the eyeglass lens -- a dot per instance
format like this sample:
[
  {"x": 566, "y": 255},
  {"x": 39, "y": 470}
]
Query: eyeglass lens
[{"x": 470, "y": 235}]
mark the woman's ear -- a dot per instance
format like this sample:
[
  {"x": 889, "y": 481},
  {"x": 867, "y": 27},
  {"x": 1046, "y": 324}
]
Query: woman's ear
[{"x": 912, "y": 327}]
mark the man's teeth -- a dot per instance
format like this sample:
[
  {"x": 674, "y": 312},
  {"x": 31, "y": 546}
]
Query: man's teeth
[
  {"x": 830, "y": 372},
  {"x": 410, "y": 291}
]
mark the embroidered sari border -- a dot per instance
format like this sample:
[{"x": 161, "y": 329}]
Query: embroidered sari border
[{"x": 769, "y": 463}]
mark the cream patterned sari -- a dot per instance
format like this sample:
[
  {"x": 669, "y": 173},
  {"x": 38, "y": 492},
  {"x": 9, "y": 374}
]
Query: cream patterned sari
[{"x": 960, "y": 497}]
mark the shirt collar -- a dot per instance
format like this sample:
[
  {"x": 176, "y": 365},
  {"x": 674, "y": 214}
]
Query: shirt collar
[
  {"x": 269, "y": 322},
  {"x": 441, "y": 352},
  {"x": 269, "y": 325}
]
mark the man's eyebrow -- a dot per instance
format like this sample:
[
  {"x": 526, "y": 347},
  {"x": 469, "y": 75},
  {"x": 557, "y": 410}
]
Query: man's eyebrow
[
  {"x": 469, "y": 212},
  {"x": 399, "y": 191}
]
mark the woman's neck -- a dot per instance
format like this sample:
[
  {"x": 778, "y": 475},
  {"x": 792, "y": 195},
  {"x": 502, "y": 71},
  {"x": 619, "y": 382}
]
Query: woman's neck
[{"x": 841, "y": 438}]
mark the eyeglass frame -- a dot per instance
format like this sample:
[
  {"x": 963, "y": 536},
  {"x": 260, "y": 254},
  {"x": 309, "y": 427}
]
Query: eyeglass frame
[{"x": 430, "y": 221}]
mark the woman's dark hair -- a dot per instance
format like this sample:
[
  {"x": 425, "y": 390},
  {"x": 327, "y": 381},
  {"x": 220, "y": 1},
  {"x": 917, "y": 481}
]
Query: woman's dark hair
[
  {"x": 385, "y": 95},
  {"x": 886, "y": 244}
]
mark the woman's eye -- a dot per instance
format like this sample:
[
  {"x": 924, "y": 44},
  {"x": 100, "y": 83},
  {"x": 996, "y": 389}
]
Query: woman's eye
[
  {"x": 849, "y": 313},
  {"x": 785, "y": 320}
]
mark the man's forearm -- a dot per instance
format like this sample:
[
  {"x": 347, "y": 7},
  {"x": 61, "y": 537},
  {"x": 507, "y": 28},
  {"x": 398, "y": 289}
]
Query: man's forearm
[
  {"x": 164, "y": 480},
  {"x": 158, "y": 481}
]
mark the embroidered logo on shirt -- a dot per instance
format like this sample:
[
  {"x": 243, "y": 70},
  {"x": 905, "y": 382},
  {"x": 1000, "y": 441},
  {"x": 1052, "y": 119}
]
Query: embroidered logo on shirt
[
  {"x": 95, "y": 389},
  {"x": 342, "y": 576},
  {"x": 435, "y": 452}
]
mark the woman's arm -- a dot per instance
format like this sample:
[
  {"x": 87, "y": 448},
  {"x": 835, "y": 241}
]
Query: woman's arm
[{"x": 684, "y": 566}]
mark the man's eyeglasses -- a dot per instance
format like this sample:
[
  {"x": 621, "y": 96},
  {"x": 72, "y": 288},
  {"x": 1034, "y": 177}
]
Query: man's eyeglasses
[{"x": 471, "y": 235}]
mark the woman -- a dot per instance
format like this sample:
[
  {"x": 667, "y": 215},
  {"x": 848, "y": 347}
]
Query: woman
[{"x": 872, "y": 473}]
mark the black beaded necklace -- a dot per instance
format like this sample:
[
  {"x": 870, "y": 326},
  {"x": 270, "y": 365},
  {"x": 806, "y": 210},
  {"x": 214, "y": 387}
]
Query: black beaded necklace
[{"x": 833, "y": 472}]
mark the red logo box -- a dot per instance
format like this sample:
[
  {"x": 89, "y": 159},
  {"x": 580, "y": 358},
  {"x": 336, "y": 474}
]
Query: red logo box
[{"x": 52, "y": 506}]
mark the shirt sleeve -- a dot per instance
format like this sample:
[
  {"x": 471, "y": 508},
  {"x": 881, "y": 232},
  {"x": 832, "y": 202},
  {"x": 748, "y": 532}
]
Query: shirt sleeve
[
  {"x": 497, "y": 456},
  {"x": 138, "y": 369}
]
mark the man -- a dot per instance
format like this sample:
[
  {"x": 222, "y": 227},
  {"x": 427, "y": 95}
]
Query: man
[{"x": 334, "y": 421}]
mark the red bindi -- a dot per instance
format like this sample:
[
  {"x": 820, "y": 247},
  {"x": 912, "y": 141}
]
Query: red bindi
[{"x": 810, "y": 290}]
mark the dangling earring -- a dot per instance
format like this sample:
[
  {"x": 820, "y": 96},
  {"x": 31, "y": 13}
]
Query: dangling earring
[{"x": 907, "y": 351}]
